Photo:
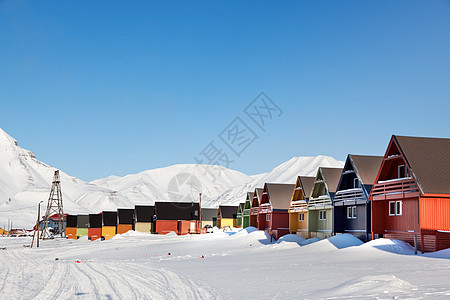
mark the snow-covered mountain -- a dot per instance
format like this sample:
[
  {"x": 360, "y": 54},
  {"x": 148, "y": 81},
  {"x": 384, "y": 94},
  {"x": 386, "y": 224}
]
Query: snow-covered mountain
[
  {"x": 24, "y": 181},
  {"x": 287, "y": 172}
]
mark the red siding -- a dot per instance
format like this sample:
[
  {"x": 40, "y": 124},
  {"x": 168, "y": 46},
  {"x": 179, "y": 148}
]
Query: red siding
[
  {"x": 94, "y": 233},
  {"x": 434, "y": 213},
  {"x": 442, "y": 240},
  {"x": 429, "y": 241},
  {"x": 166, "y": 226},
  {"x": 184, "y": 227},
  {"x": 407, "y": 222}
]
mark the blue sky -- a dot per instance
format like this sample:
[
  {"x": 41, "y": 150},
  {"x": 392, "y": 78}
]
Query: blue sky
[{"x": 97, "y": 88}]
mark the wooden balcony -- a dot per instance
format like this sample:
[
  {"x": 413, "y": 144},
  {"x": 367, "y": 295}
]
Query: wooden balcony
[
  {"x": 350, "y": 194},
  {"x": 395, "y": 189},
  {"x": 254, "y": 210},
  {"x": 321, "y": 201},
  {"x": 265, "y": 208},
  {"x": 246, "y": 211}
]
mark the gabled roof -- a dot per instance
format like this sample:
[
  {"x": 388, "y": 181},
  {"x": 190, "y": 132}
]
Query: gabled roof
[
  {"x": 240, "y": 208},
  {"x": 366, "y": 167},
  {"x": 331, "y": 177},
  {"x": 307, "y": 183},
  {"x": 429, "y": 161},
  {"x": 258, "y": 193},
  {"x": 208, "y": 214},
  {"x": 228, "y": 212},
  {"x": 186, "y": 211},
  {"x": 250, "y": 196},
  {"x": 279, "y": 194}
]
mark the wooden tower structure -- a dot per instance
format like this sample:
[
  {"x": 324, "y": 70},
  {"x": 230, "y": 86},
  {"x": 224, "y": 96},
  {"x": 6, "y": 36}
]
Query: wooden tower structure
[{"x": 54, "y": 209}]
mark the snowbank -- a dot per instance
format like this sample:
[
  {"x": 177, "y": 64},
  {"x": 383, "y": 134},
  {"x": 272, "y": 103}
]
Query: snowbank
[
  {"x": 394, "y": 246},
  {"x": 291, "y": 238},
  {"x": 344, "y": 241}
]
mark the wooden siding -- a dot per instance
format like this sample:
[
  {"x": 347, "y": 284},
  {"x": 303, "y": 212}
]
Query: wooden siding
[
  {"x": 296, "y": 226},
  {"x": 166, "y": 226},
  {"x": 143, "y": 227},
  {"x": 222, "y": 222},
  {"x": 442, "y": 240},
  {"x": 435, "y": 213},
  {"x": 82, "y": 232},
  {"x": 71, "y": 233},
  {"x": 320, "y": 228},
  {"x": 429, "y": 241},
  {"x": 94, "y": 233},
  {"x": 108, "y": 232},
  {"x": 124, "y": 228}
]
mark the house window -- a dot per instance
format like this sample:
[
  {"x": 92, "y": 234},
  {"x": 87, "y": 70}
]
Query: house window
[
  {"x": 398, "y": 208},
  {"x": 355, "y": 183},
  {"x": 301, "y": 217},
  {"x": 395, "y": 208},
  {"x": 351, "y": 212},
  {"x": 268, "y": 217},
  {"x": 322, "y": 214},
  {"x": 401, "y": 171}
]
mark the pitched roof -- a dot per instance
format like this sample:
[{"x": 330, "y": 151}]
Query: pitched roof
[
  {"x": 279, "y": 194},
  {"x": 144, "y": 213},
  {"x": 241, "y": 206},
  {"x": 429, "y": 161},
  {"x": 367, "y": 167},
  {"x": 177, "y": 211},
  {"x": 258, "y": 192},
  {"x": 307, "y": 183},
  {"x": 250, "y": 196},
  {"x": 331, "y": 177},
  {"x": 228, "y": 212}
]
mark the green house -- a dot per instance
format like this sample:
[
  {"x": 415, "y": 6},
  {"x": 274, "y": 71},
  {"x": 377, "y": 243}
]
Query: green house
[
  {"x": 246, "y": 212},
  {"x": 240, "y": 215}
]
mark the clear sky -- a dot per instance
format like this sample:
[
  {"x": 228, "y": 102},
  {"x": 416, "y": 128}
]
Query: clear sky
[{"x": 98, "y": 88}]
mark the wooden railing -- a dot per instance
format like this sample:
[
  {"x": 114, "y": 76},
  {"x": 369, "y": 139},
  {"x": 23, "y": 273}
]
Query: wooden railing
[
  {"x": 254, "y": 210},
  {"x": 351, "y": 194},
  {"x": 265, "y": 208},
  {"x": 322, "y": 200},
  {"x": 247, "y": 211},
  {"x": 395, "y": 189}
]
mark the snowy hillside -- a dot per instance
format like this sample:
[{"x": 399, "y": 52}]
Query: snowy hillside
[
  {"x": 175, "y": 183},
  {"x": 24, "y": 181},
  {"x": 285, "y": 173}
]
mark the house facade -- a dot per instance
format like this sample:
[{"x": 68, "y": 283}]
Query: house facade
[
  {"x": 351, "y": 201},
  {"x": 274, "y": 209},
  {"x": 411, "y": 195},
  {"x": 320, "y": 204},
  {"x": 247, "y": 207},
  {"x": 254, "y": 209},
  {"x": 298, "y": 208},
  {"x": 226, "y": 216}
]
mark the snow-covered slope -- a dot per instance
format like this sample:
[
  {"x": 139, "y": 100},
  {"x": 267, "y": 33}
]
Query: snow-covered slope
[
  {"x": 181, "y": 182},
  {"x": 287, "y": 172},
  {"x": 24, "y": 181}
]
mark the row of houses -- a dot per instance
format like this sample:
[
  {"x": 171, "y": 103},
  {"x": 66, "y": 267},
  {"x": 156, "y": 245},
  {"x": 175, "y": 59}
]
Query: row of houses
[
  {"x": 404, "y": 195},
  {"x": 161, "y": 218}
]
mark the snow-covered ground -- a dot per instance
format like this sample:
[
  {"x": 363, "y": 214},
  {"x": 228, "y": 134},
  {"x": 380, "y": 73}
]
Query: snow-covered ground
[{"x": 231, "y": 265}]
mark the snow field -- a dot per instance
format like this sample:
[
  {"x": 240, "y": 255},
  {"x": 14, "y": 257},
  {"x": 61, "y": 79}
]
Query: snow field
[{"x": 229, "y": 265}]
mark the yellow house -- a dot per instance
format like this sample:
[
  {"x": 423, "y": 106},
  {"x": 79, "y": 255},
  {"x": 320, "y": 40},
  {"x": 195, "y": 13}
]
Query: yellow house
[
  {"x": 226, "y": 216},
  {"x": 298, "y": 208},
  {"x": 3, "y": 231}
]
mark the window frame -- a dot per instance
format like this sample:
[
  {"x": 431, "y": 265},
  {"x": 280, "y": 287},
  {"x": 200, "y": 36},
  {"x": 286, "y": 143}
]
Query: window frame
[
  {"x": 391, "y": 208},
  {"x": 322, "y": 215},
  {"x": 267, "y": 217},
  {"x": 398, "y": 208},
  {"x": 399, "y": 173},
  {"x": 301, "y": 217}
]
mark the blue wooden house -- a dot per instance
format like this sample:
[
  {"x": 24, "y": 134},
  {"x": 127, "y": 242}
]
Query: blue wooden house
[{"x": 351, "y": 201}]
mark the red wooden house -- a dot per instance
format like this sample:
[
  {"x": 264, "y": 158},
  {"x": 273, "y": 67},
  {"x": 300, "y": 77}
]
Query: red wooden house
[
  {"x": 179, "y": 217},
  {"x": 274, "y": 208},
  {"x": 254, "y": 209},
  {"x": 411, "y": 194}
]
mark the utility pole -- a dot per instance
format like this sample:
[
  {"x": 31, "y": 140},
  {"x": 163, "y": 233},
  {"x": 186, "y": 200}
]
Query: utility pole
[
  {"x": 54, "y": 206},
  {"x": 36, "y": 228}
]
